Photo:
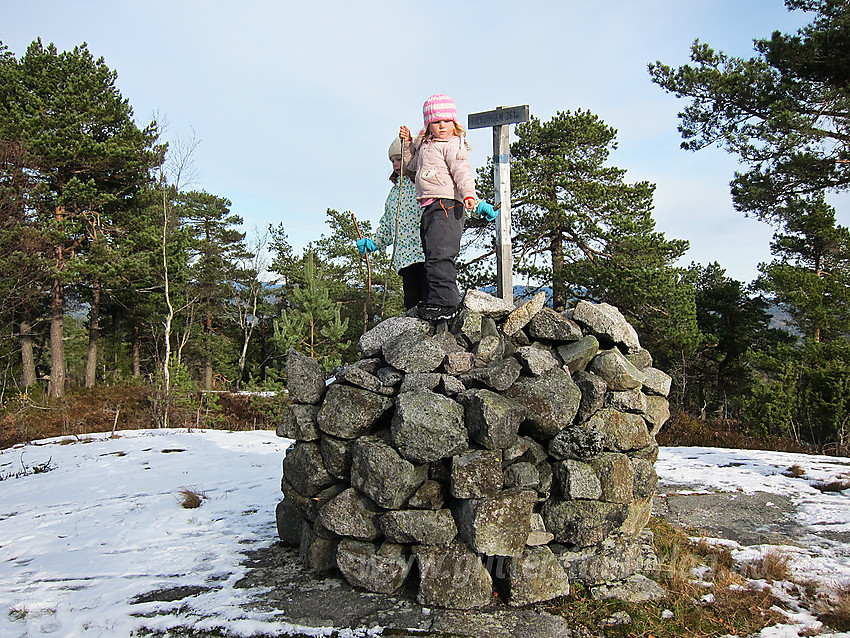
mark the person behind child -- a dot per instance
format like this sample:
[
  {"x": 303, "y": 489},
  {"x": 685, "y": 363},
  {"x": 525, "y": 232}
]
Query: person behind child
[
  {"x": 399, "y": 227},
  {"x": 445, "y": 189}
]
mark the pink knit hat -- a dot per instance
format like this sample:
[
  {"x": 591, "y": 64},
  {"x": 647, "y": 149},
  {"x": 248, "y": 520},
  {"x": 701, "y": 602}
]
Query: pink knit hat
[{"x": 439, "y": 107}]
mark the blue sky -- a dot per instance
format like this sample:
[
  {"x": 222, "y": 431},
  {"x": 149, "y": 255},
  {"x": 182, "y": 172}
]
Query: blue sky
[{"x": 295, "y": 103}]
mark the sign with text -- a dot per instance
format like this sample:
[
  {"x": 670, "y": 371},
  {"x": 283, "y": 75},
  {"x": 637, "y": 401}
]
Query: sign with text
[{"x": 498, "y": 117}]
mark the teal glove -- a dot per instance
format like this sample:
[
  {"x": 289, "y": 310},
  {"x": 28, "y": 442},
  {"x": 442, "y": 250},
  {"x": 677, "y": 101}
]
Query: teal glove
[
  {"x": 487, "y": 211},
  {"x": 365, "y": 244}
]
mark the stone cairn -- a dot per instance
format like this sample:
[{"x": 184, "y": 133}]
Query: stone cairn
[{"x": 497, "y": 458}]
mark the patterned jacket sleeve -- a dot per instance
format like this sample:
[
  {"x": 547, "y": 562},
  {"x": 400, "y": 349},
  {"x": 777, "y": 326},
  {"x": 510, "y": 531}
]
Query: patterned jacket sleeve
[{"x": 385, "y": 233}]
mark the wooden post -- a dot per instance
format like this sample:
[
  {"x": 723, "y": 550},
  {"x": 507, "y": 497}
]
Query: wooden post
[
  {"x": 502, "y": 190},
  {"x": 501, "y": 119}
]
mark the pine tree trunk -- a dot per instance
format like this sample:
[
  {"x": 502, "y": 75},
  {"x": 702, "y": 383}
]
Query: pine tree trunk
[
  {"x": 208, "y": 367},
  {"x": 137, "y": 359},
  {"x": 559, "y": 289},
  {"x": 28, "y": 378},
  {"x": 56, "y": 387},
  {"x": 94, "y": 335}
]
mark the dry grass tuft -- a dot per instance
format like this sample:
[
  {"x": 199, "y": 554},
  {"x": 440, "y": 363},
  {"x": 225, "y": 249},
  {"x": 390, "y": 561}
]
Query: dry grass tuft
[
  {"x": 834, "y": 609},
  {"x": 717, "y": 564},
  {"x": 772, "y": 566},
  {"x": 190, "y": 499},
  {"x": 833, "y": 486},
  {"x": 689, "y": 570},
  {"x": 716, "y": 553},
  {"x": 724, "y": 578},
  {"x": 795, "y": 471},
  {"x": 746, "y": 607}
]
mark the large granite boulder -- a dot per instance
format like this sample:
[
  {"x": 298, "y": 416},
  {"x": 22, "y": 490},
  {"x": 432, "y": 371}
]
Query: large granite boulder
[
  {"x": 428, "y": 426},
  {"x": 607, "y": 322},
  {"x": 550, "y": 401},
  {"x": 492, "y": 420},
  {"x": 582, "y": 523},
  {"x": 535, "y": 576},
  {"x": 413, "y": 352},
  {"x": 382, "y": 568},
  {"x": 428, "y": 527},
  {"x": 305, "y": 381},
  {"x": 349, "y": 412},
  {"x": 476, "y": 473},
  {"x": 372, "y": 342},
  {"x": 304, "y": 470},
  {"x": 452, "y": 576},
  {"x": 379, "y": 472},
  {"x": 496, "y": 525},
  {"x": 351, "y": 514}
]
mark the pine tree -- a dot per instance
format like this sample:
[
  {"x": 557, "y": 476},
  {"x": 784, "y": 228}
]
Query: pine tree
[
  {"x": 581, "y": 229},
  {"x": 88, "y": 158},
  {"x": 24, "y": 268},
  {"x": 312, "y": 324},
  {"x": 215, "y": 248},
  {"x": 735, "y": 327},
  {"x": 784, "y": 113},
  {"x": 807, "y": 383},
  {"x": 810, "y": 278}
]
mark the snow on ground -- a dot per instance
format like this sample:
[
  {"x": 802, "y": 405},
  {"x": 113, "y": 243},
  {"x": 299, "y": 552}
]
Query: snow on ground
[
  {"x": 683, "y": 470},
  {"x": 718, "y": 469},
  {"x": 79, "y": 542},
  {"x": 103, "y": 526}
]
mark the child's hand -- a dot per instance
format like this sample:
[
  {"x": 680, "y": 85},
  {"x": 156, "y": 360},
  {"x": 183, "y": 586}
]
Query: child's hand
[
  {"x": 469, "y": 203},
  {"x": 365, "y": 245},
  {"x": 404, "y": 133},
  {"x": 487, "y": 211}
]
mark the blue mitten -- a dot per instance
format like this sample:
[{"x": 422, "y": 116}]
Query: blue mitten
[
  {"x": 487, "y": 211},
  {"x": 365, "y": 244}
]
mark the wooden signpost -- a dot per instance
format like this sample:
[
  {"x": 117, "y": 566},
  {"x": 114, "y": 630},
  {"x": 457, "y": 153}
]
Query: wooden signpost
[{"x": 501, "y": 119}]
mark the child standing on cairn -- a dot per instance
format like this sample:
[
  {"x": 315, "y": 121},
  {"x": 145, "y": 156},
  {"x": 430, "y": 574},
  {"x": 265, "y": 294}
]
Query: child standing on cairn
[
  {"x": 444, "y": 179},
  {"x": 399, "y": 228}
]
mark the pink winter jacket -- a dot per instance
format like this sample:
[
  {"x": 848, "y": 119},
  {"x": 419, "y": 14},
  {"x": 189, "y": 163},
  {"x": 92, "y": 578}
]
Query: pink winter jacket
[{"x": 442, "y": 168}]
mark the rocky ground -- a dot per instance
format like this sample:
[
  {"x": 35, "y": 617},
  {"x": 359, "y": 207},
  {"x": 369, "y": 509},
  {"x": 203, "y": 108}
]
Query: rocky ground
[
  {"x": 298, "y": 597},
  {"x": 302, "y": 598}
]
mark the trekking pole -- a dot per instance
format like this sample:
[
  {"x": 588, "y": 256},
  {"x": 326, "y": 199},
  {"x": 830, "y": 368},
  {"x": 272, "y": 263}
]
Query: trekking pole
[
  {"x": 368, "y": 278},
  {"x": 400, "y": 183}
]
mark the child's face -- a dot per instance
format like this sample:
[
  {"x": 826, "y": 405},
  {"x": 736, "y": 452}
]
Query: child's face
[
  {"x": 396, "y": 160},
  {"x": 442, "y": 130}
]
